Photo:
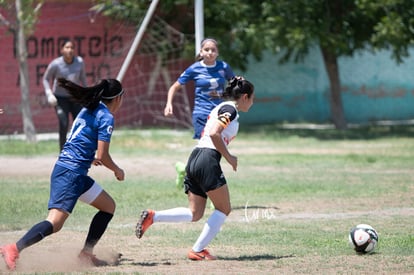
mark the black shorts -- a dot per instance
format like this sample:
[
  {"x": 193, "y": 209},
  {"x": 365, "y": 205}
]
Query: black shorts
[{"x": 203, "y": 172}]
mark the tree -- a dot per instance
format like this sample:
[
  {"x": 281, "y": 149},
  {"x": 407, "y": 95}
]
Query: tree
[
  {"x": 337, "y": 27},
  {"x": 25, "y": 19}
]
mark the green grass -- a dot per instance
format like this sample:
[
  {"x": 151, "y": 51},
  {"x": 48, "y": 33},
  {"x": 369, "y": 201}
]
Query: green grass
[{"x": 304, "y": 190}]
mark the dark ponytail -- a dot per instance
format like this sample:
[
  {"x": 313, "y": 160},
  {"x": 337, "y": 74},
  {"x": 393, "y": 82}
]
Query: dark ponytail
[
  {"x": 236, "y": 87},
  {"x": 89, "y": 97}
]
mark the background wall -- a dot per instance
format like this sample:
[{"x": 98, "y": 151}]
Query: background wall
[
  {"x": 373, "y": 86},
  {"x": 104, "y": 45}
]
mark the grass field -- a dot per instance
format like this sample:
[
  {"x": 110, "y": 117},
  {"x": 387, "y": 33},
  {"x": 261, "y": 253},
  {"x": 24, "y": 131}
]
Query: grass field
[{"x": 295, "y": 196}]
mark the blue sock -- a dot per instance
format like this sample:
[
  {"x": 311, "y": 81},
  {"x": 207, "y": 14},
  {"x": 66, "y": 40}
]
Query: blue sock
[
  {"x": 97, "y": 228},
  {"x": 35, "y": 234}
]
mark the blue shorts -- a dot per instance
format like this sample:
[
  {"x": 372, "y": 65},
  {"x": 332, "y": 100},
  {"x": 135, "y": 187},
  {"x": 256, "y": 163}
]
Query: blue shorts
[
  {"x": 199, "y": 122},
  {"x": 66, "y": 187}
]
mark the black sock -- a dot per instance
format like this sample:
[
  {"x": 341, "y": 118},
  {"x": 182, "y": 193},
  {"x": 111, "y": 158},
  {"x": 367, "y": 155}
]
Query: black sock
[
  {"x": 97, "y": 228},
  {"x": 35, "y": 234}
]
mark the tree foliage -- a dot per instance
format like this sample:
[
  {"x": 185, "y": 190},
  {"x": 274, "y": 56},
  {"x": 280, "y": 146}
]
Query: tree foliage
[
  {"x": 343, "y": 26},
  {"x": 29, "y": 14},
  {"x": 291, "y": 28},
  {"x": 231, "y": 22},
  {"x": 248, "y": 28}
]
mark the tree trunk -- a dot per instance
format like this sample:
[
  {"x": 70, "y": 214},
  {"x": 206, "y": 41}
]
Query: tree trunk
[
  {"x": 28, "y": 126},
  {"x": 335, "y": 99}
]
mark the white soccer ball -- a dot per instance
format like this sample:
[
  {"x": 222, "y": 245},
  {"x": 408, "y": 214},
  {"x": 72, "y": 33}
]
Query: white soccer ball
[{"x": 363, "y": 238}]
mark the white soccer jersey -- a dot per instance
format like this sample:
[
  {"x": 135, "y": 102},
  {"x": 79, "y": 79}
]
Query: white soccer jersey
[{"x": 225, "y": 113}]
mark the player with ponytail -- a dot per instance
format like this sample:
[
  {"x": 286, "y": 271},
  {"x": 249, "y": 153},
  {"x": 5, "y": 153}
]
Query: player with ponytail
[
  {"x": 87, "y": 144},
  {"x": 204, "y": 176}
]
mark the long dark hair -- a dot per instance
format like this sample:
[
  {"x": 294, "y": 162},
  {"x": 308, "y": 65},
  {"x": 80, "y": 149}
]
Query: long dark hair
[
  {"x": 236, "y": 87},
  {"x": 89, "y": 97}
]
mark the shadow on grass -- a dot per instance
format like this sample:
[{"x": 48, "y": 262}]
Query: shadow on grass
[
  {"x": 149, "y": 264},
  {"x": 326, "y": 132},
  {"x": 243, "y": 258},
  {"x": 252, "y": 258}
]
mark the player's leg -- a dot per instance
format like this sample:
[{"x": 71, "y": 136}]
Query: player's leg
[
  {"x": 62, "y": 112},
  {"x": 221, "y": 199},
  {"x": 193, "y": 213},
  {"x": 75, "y": 108},
  {"x": 180, "y": 169},
  {"x": 39, "y": 231},
  {"x": 100, "y": 199},
  {"x": 53, "y": 223}
]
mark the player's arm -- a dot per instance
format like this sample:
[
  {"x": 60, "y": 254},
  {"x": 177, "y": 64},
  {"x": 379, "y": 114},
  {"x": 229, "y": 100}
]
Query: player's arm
[
  {"x": 50, "y": 75},
  {"x": 168, "y": 111},
  {"x": 215, "y": 135},
  {"x": 103, "y": 157},
  {"x": 229, "y": 72},
  {"x": 223, "y": 120},
  {"x": 47, "y": 78}
]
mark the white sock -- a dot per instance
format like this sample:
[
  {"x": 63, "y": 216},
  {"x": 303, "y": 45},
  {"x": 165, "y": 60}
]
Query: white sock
[
  {"x": 210, "y": 230},
  {"x": 179, "y": 214}
]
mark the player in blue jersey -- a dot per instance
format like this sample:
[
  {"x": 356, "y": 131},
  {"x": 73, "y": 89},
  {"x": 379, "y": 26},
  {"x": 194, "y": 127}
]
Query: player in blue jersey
[
  {"x": 87, "y": 144},
  {"x": 70, "y": 67},
  {"x": 204, "y": 174},
  {"x": 210, "y": 76}
]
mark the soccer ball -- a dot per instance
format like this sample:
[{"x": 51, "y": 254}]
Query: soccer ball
[{"x": 363, "y": 238}]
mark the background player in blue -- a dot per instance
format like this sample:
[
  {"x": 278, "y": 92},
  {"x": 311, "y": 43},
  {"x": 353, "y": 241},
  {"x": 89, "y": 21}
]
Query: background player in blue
[
  {"x": 210, "y": 76},
  {"x": 87, "y": 144},
  {"x": 204, "y": 174},
  {"x": 70, "y": 67}
]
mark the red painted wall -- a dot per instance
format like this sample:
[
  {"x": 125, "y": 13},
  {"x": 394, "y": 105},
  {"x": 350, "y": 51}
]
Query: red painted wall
[{"x": 103, "y": 45}]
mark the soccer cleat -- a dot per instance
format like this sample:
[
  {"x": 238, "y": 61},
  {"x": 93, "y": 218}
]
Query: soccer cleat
[
  {"x": 179, "y": 181},
  {"x": 201, "y": 256},
  {"x": 10, "y": 255},
  {"x": 144, "y": 222},
  {"x": 90, "y": 259}
]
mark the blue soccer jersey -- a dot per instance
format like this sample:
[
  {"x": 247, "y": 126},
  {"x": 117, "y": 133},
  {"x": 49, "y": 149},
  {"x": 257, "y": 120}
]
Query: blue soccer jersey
[
  {"x": 209, "y": 84},
  {"x": 80, "y": 147}
]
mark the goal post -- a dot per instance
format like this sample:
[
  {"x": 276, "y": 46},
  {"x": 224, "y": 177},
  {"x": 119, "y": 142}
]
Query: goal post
[
  {"x": 153, "y": 61},
  {"x": 137, "y": 40},
  {"x": 198, "y": 24}
]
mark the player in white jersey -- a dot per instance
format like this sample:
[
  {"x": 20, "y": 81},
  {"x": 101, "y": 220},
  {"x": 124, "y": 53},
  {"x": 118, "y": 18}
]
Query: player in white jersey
[{"x": 204, "y": 176}]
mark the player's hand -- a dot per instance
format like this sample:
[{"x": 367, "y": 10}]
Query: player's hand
[
  {"x": 119, "y": 174},
  {"x": 232, "y": 160},
  {"x": 168, "y": 111},
  {"x": 51, "y": 98}
]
